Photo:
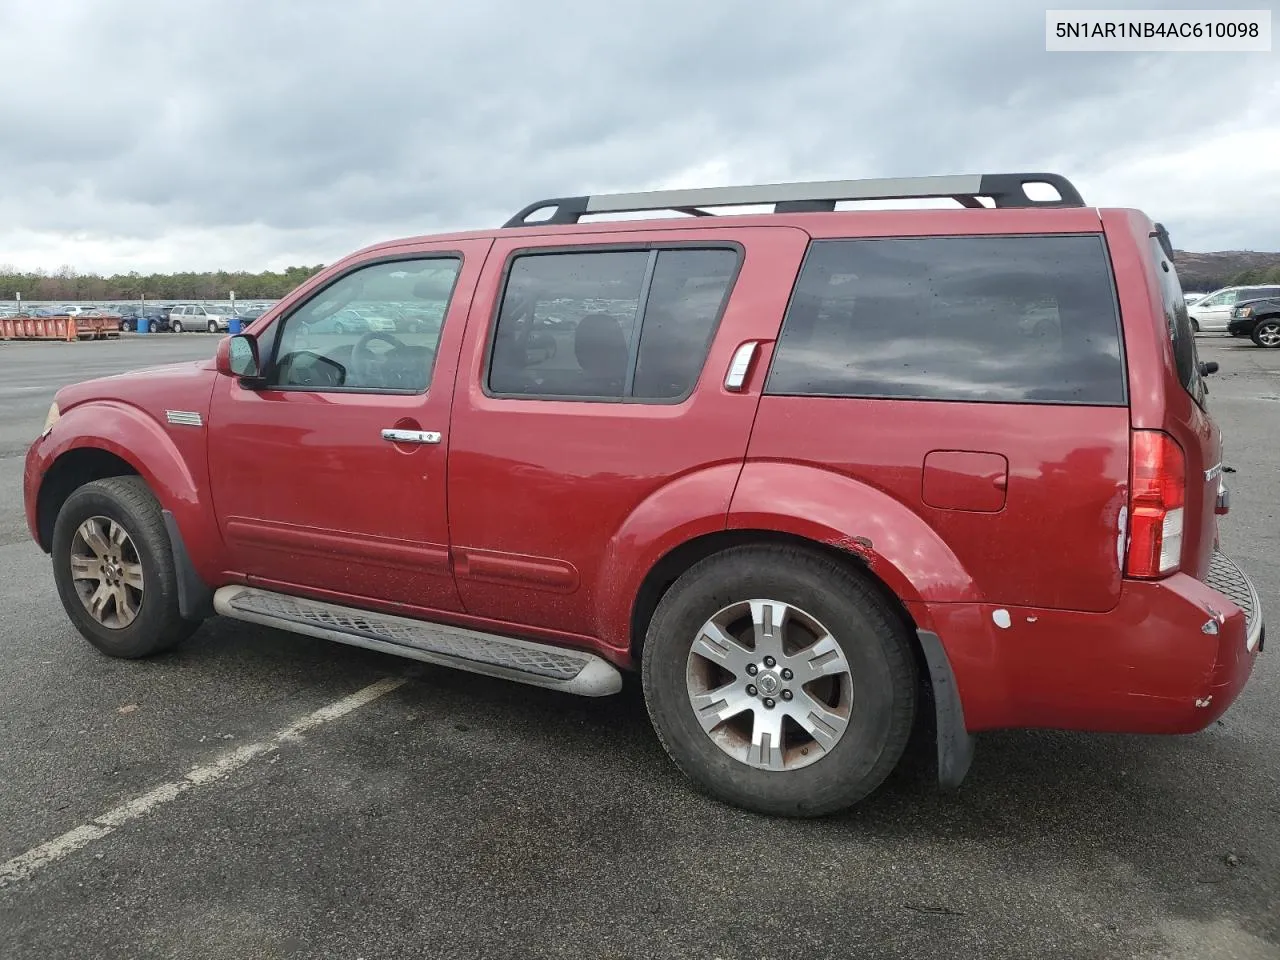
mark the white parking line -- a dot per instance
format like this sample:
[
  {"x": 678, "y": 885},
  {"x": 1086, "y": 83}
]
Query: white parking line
[{"x": 25, "y": 864}]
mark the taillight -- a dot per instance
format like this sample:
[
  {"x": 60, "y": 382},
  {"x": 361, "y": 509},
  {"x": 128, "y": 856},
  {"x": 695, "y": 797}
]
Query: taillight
[{"x": 1157, "y": 495}]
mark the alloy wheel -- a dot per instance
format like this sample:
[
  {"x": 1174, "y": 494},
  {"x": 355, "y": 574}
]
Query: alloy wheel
[
  {"x": 769, "y": 685},
  {"x": 107, "y": 572}
]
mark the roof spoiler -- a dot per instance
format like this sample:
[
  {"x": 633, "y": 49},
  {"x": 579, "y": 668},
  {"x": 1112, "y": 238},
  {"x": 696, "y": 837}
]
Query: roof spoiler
[{"x": 1005, "y": 190}]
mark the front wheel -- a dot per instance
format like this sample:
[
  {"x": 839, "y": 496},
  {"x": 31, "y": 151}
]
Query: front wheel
[
  {"x": 1267, "y": 333},
  {"x": 113, "y": 567},
  {"x": 779, "y": 681},
  {"x": 177, "y": 326},
  {"x": 213, "y": 326},
  {"x": 1195, "y": 325}
]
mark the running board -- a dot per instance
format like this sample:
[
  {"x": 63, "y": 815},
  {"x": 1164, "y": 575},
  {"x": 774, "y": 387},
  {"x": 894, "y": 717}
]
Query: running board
[{"x": 538, "y": 664}]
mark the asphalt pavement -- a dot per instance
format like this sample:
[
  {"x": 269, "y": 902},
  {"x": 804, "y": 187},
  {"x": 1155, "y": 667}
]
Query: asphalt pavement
[{"x": 256, "y": 794}]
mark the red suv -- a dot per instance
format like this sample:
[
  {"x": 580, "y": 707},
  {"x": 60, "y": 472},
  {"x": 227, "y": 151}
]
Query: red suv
[{"x": 815, "y": 474}]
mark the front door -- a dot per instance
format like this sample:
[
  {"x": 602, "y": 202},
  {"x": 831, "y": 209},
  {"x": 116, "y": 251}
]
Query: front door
[{"x": 329, "y": 477}]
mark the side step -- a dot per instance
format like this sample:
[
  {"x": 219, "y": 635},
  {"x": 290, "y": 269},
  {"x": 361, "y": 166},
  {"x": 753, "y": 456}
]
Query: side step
[{"x": 538, "y": 664}]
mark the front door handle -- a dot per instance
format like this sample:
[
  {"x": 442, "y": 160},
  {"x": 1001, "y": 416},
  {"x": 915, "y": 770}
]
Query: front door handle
[{"x": 411, "y": 436}]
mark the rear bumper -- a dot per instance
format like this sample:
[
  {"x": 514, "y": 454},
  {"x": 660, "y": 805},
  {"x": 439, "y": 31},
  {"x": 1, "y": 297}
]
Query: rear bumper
[{"x": 1171, "y": 657}]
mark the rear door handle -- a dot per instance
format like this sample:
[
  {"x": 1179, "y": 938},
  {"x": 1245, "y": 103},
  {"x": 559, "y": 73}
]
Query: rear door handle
[{"x": 411, "y": 436}]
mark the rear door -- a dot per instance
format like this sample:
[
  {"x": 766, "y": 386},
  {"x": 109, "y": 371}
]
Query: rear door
[
  {"x": 596, "y": 377},
  {"x": 979, "y": 381}
]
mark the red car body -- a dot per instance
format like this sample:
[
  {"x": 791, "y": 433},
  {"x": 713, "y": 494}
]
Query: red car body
[{"x": 993, "y": 524}]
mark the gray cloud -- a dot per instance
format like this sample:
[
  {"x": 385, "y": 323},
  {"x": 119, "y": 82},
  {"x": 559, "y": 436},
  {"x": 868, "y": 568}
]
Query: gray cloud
[{"x": 236, "y": 133}]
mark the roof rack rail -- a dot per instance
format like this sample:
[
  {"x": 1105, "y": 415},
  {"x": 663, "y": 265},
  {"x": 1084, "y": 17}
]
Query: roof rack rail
[{"x": 1004, "y": 189}]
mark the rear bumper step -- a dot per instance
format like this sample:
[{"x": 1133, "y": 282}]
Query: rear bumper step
[{"x": 541, "y": 665}]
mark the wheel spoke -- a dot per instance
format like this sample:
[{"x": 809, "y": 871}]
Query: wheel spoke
[
  {"x": 94, "y": 538},
  {"x": 818, "y": 720},
  {"x": 98, "y": 601},
  {"x": 766, "y": 738},
  {"x": 716, "y": 706},
  {"x": 721, "y": 649},
  {"x": 116, "y": 533},
  {"x": 132, "y": 575},
  {"x": 823, "y": 659},
  {"x": 85, "y": 568},
  {"x": 768, "y": 618},
  {"x": 126, "y": 608}
]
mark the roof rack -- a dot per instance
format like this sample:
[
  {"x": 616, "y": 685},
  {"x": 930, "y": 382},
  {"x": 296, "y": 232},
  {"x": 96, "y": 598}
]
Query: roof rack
[{"x": 1004, "y": 189}]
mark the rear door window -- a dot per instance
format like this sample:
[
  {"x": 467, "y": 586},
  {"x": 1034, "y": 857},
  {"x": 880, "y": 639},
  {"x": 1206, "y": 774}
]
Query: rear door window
[
  {"x": 1021, "y": 319},
  {"x": 629, "y": 325}
]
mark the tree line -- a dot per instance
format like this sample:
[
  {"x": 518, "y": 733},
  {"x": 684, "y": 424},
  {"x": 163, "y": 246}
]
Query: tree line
[{"x": 68, "y": 284}]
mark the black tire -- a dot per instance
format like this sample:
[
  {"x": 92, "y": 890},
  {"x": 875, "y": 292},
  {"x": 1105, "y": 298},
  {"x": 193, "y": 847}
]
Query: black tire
[
  {"x": 177, "y": 326},
  {"x": 872, "y": 638},
  {"x": 1269, "y": 329},
  {"x": 158, "y": 624},
  {"x": 213, "y": 326},
  {"x": 339, "y": 329},
  {"x": 1195, "y": 325}
]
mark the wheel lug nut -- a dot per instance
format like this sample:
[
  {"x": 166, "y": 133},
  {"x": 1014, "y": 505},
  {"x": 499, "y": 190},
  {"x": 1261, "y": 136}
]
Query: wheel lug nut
[
  {"x": 787, "y": 694},
  {"x": 768, "y": 703},
  {"x": 751, "y": 690},
  {"x": 752, "y": 669},
  {"x": 769, "y": 661},
  {"x": 787, "y": 674}
]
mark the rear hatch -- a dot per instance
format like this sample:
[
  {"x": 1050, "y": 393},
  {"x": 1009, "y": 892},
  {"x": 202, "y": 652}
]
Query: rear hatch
[{"x": 1175, "y": 403}]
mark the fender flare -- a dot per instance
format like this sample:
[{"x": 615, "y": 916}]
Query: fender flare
[
  {"x": 139, "y": 440},
  {"x": 683, "y": 509},
  {"x": 894, "y": 541}
]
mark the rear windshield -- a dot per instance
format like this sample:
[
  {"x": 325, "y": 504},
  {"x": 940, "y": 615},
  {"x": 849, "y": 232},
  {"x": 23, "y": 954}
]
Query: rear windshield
[
  {"x": 1023, "y": 319},
  {"x": 1181, "y": 333}
]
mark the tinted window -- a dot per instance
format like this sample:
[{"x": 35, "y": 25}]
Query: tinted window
[
  {"x": 633, "y": 324},
  {"x": 1258, "y": 293},
  {"x": 375, "y": 329},
  {"x": 1003, "y": 319},
  {"x": 1178, "y": 323}
]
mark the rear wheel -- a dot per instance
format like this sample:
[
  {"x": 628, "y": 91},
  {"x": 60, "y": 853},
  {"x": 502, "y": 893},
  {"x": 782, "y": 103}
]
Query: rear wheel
[
  {"x": 779, "y": 681},
  {"x": 1267, "y": 333},
  {"x": 113, "y": 566}
]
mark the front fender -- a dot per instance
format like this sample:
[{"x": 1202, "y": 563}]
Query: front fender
[
  {"x": 173, "y": 464},
  {"x": 688, "y": 507},
  {"x": 894, "y": 541}
]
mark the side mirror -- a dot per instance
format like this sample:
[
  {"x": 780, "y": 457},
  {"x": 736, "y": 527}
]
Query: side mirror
[
  {"x": 1207, "y": 367},
  {"x": 238, "y": 357}
]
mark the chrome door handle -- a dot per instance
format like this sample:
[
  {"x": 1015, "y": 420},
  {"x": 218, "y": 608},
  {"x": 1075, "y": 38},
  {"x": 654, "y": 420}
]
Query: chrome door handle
[{"x": 411, "y": 436}]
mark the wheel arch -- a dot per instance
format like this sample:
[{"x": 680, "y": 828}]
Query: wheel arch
[
  {"x": 70, "y": 471},
  {"x": 941, "y": 724}
]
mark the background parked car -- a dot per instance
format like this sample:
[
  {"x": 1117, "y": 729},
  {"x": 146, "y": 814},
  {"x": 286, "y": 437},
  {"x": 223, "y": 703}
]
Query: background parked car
[
  {"x": 1212, "y": 313},
  {"x": 1259, "y": 320},
  {"x": 195, "y": 316}
]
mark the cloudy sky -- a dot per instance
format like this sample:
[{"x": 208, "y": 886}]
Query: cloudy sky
[{"x": 164, "y": 135}]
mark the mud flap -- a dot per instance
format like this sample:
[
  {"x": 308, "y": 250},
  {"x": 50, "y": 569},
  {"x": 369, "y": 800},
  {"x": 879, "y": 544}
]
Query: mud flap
[
  {"x": 955, "y": 745},
  {"x": 195, "y": 599}
]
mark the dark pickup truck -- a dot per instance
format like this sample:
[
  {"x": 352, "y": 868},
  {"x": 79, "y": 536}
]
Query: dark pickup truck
[{"x": 1257, "y": 319}]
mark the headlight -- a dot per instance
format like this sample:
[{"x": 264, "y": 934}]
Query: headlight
[
  {"x": 1243, "y": 312},
  {"x": 50, "y": 419}
]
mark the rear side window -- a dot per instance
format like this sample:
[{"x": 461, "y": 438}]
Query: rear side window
[
  {"x": 1258, "y": 293},
  {"x": 1026, "y": 319},
  {"x": 609, "y": 325},
  {"x": 1178, "y": 323}
]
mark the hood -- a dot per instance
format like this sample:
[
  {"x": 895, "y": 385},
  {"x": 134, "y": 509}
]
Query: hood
[{"x": 158, "y": 386}]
